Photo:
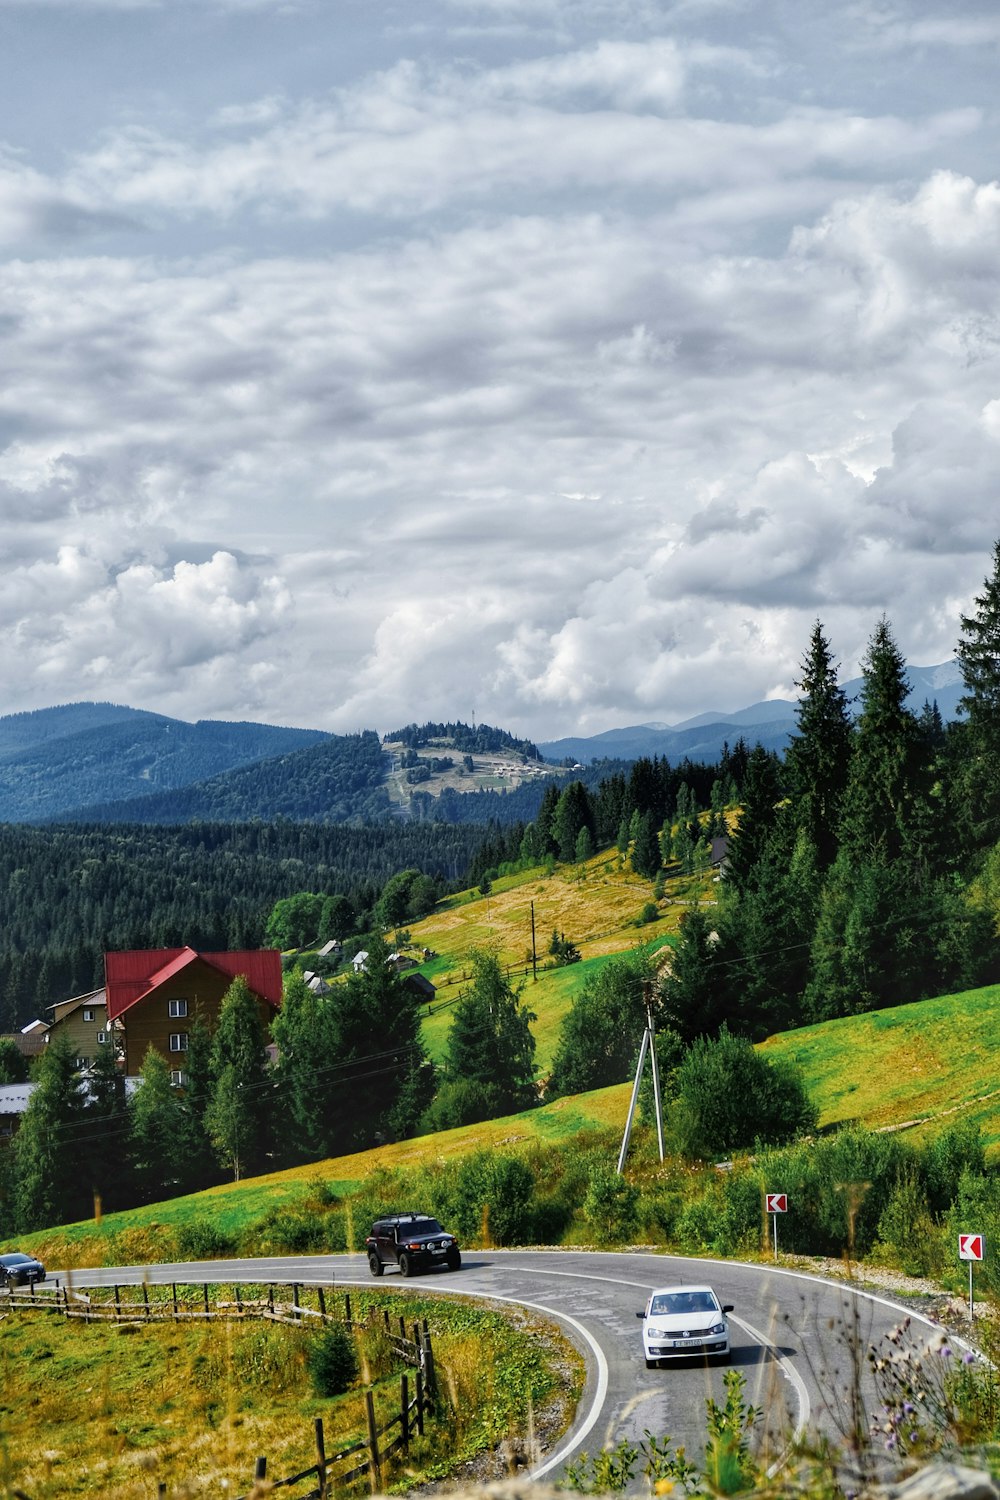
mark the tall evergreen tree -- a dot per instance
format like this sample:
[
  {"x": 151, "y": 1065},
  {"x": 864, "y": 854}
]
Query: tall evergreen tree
[
  {"x": 199, "y": 1163},
  {"x": 978, "y": 654},
  {"x": 306, "y": 1036},
  {"x": 882, "y": 816},
  {"x": 818, "y": 755},
  {"x": 379, "y": 1086},
  {"x": 490, "y": 1042},
  {"x": 236, "y": 1117},
  {"x": 48, "y": 1185},
  {"x": 107, "y": 1145},
  {"x": 758, "y": 818},
  {"x": 157, "y": 1131}
]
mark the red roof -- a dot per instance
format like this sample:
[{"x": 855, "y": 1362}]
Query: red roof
[{"x": 132, "y": 976}]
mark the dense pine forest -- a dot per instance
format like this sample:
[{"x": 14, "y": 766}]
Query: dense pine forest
[{"x": 68, "y": 894}]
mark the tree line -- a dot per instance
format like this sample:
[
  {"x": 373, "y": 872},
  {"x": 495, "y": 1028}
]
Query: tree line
[{"x": 334, "y": 1073}]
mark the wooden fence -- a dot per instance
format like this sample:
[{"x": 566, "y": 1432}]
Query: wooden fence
[{"x": 202, "y": 1302}]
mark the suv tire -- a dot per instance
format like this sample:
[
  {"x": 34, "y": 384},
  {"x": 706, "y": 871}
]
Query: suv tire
[
  {"x": 375, "y": 1263},
  {"x": 454, "y": 1261},
  {"x": 405, "y": 1264}
]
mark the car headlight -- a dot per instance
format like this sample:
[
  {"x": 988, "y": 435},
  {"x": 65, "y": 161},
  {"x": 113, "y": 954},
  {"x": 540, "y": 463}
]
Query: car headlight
[
  {"x": 718, "y": 1328},
  {"x": 656, "y": 1333}
]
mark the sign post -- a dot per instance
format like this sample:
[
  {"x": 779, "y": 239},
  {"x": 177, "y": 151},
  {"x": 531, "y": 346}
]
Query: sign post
[
  {"x": 775, "y": 1204},
  {"x": 971, "y": 1247}
]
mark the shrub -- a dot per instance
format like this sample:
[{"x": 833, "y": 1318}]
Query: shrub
[
  {"x": 333, "y": 1361},
  {"x": 729, "y": 1097},
  {"x": 611, "y": 1205},
  {"x": 908, "y": 1231},
  {"x": 200, "y": 1239}
]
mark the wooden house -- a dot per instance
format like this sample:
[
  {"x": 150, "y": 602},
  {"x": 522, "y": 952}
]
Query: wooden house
[
  {"x": 156, "y": 995},
  {"x": 83, "y": 1020}
]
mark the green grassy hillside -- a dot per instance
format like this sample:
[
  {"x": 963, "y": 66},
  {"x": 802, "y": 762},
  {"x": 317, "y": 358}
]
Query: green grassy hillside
[
  {"x": 919, "y": 1065},
  {"x": 596, "y": 905}
]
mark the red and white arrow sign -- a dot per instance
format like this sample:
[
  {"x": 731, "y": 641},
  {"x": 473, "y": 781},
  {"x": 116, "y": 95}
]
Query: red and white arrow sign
[
  {"x": 970, "y": 1247},
  {"x": 777, "y": 1203}
]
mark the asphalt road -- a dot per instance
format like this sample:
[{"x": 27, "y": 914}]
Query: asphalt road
[{"x": 792, "y": 1335}]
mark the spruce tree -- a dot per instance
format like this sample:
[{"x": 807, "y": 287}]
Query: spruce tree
[
  {"x": 157, "y": 1131},
  {"x": 490, "y": 1042},
  {"x": 48, "y": 1187},
  {"x": 305, "y": 1032},
  {"x": 978, "y": 656},
  {"x": 236, "y": 1117},
  {"x": 818, "y": 755}
]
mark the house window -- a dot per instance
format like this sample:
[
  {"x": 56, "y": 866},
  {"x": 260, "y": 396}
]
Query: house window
[
  {"x": 177, "y": 1007},
  {"x": 178, "y": 1041},
  {"x": 88, "y": 1015},
  {"x": 178, "y": 1079},
  {"x": 102, "y": 1037}
]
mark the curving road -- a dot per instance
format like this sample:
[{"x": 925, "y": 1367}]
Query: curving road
[{"x": 792, "y": 1334}]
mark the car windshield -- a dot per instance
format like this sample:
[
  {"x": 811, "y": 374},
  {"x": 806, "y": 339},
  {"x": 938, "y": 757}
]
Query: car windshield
[
  {"x": 421, "y": 1226},
  {"x": 16, "y": 1260},
  {"x": 670, "y": 1303}
]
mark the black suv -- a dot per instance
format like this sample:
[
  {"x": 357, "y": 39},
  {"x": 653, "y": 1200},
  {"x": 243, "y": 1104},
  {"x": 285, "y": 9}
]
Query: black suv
[{"x": 413, "y": 1242}]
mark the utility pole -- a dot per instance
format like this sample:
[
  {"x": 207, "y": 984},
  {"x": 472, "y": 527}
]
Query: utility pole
[
  {"x": 534, "y": 957},
  {"x": 648, "y": 1046}
]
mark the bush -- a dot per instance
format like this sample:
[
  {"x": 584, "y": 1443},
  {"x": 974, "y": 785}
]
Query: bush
[
  {"x": 908, "y": 1231},
  {"x": 333, "y": 1361},
  {"x": 611, "y": 1205},
  {"x": 200, "y": 1239},
  {"x": 729, "y": 1097}
]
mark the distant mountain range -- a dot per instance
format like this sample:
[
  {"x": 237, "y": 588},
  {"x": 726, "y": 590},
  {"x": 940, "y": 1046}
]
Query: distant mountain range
[
  {"x": 770, "y": 724},
  {"x": 59, "y": 760},
  {"x": 106, "y": 763}
]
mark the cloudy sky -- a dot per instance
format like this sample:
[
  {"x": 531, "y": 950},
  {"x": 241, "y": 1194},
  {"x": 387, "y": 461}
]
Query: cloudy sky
[{"x": 556, "y": 362}]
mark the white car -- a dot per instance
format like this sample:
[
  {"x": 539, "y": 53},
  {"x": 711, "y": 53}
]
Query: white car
[{"x": 684, "y": 1321}]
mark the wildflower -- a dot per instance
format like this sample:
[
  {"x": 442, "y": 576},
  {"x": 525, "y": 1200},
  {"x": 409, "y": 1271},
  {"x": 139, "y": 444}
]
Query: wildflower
[
  {"x": 945, "y": 1352},
  {"x": 664, "y": 1486},
  {"x": 968, "y": 1358}
]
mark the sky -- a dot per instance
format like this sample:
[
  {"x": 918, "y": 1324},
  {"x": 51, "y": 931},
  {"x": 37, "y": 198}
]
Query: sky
[{"x": 550, "y": 363}]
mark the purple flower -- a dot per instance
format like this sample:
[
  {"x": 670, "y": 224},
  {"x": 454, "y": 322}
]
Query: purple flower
[
  {"x": 945, "y": 1352},
  {"x": 968, "y": 1358}
]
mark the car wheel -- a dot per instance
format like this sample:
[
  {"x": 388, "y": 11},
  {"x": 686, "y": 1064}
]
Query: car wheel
[
  {"x": 405, "y": 1264},
  {"x": 454, "y": 1261},
  {"x": 375, "y": 1265}
]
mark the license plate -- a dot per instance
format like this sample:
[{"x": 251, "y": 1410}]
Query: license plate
[
  {"x": 683, "y": 1343},
  {"x": 437, "y": 1252}
]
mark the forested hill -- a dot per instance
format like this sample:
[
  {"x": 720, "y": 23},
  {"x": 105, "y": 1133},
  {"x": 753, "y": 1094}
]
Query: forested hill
[
  {"x": 339, "y": 780},
  {"x": 70, "y": 893},
  {"x": 58, "y": 759},
  {"x": 483, "y": 739}
]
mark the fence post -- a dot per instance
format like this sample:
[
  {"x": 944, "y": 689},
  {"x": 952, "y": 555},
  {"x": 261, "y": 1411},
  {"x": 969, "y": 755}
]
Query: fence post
[
  {"x": 404, "y": 1412},
  {"x": 270, "y": 1299},
  {"x": 429, "y": 1364},
  {"x": 239, "y": 1302},
  {"x": 205, "y": 1288},
  {"x": 118, "y": 1306},
  {"x": 295, "y": 1298},
  {"x": 260, "y": 1468},
  {"x": 385, "y": 1318},
  {"x": 173, "y": 1287},
  {"x": 347, "y": 1307},
  {"x": 322, "y": 1302},
  {"x": 402, "y": 1326},
  {"x": 420, "y": 1403},
  {"x": 321, "y": 1456},
  {"x": 145, "y": 1301},
  {"x": 376, "y": 1463}
]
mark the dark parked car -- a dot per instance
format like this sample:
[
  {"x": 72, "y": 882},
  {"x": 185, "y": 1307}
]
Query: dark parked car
[
  {"x": 413, "y": 1242},
  {"x": 17, "y": 1269}
]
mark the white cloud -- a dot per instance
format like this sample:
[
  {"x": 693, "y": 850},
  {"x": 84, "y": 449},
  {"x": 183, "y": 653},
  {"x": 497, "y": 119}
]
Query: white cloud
[{"x": 565, "y": 376}]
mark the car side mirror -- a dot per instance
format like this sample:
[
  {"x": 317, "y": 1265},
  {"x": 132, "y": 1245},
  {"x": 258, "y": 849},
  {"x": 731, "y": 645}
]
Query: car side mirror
[
  {"x": 640, "y": 1315},
  {"x": 728, "y": 1307}
]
